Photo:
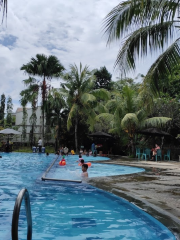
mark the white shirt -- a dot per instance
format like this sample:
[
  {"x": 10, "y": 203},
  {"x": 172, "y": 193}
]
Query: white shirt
[
  {"x": 40, "y": 142},
  {"x": 66, "y": 150}
]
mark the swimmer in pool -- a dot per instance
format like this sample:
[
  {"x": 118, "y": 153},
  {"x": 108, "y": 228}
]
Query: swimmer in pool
[
  {"x": 80, "y": 158},
  {"x": 84, "y": 170},
  {"x": 82, "y": 162}
]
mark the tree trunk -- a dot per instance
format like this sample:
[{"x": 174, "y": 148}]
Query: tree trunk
[
  {"x": 76, "y": 140},
  {"x": 59, "y": 130},
  {"x": 43, "y": 101}
]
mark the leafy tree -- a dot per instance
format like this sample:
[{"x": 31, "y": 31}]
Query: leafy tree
[
  {"x": 54, "y": 108},
  {"x": 103, "y": 78},
  {"x": 46, "y": 68},
  {"x": 143, "y": 27},
  {"x": 2, "y": 108},
  {"x": 9, "y": 109},
  {"x": 79, "y": 92},
  {"x": 121, "y": 83}
]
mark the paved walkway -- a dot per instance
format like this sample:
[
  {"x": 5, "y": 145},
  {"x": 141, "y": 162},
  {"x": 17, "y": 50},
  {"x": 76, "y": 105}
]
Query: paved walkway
[{"x": 157, "y": 190}]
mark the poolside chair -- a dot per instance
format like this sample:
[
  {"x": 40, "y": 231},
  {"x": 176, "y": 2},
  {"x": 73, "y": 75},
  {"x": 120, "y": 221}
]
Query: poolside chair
[
  {"x": 146, "y": 153},
  {"x": 158, "y": 154},
  {"x": 167, "y": 155},
  {"x": 138, "y": 153}
]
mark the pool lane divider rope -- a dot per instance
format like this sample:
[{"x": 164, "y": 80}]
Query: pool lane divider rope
[{"x": 43, "y": 178}]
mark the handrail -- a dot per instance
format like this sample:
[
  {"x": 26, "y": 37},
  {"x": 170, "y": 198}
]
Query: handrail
[{"x": 15, "y": 219}]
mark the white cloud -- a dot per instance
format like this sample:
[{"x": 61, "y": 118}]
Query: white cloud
[{"x": 71, "y": 30}]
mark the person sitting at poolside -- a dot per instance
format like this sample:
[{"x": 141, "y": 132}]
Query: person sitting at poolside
[
  {"x": 154, "y": 151},
  {"x": 90, "y": 152},
  {"x": 81, "y": 152},
  {"x": 84, "y": 170},
  {"x": 57, "y": 153},
  {"x": 86, "y": 153},
  {"x": 62, "y": 151},
  {"x": 72, "y": 152},
  {"x": 66, "y": 151}
]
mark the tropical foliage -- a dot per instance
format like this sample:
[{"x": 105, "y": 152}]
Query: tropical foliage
[
  {"x": 124, "y": 112},
  {"x": 103, "y": 79}
]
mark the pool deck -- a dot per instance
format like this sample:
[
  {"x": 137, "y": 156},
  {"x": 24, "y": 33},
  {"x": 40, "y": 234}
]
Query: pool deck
[{"x": 156, "y": 191}]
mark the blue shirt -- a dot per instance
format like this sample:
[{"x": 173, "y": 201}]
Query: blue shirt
[{"x": 93, "y": 147}]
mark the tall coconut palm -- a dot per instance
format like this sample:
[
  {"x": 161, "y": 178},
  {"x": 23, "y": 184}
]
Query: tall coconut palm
[
  {"x": 46, "y": 67},
  {"x": 143, "y": 27},
  {"x": 78, "y": 90}
]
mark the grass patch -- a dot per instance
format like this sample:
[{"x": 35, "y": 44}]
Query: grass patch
[{"x": 49, "y": 149}]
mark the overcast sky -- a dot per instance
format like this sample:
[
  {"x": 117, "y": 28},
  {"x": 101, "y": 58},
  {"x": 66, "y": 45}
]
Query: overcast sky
[{"x": 71, "y": 30}]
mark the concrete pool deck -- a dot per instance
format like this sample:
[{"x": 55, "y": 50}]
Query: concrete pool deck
[{"x": 156, "y": 191}]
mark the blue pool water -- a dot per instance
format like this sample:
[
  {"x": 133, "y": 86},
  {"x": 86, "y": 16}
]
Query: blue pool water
[
  {"x": 73, "y": 172},
  {"x": 86, "y": 159},
  {"x": 68, "y": 211}
]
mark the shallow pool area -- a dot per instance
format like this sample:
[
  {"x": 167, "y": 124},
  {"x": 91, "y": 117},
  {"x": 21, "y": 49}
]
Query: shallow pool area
[
  {"x": 72, "y": 170},
  {"x": 68, "y": 211}
]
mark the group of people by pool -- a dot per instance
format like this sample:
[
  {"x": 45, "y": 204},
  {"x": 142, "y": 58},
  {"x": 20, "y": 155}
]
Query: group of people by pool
[{"x": 65, "y": 151}]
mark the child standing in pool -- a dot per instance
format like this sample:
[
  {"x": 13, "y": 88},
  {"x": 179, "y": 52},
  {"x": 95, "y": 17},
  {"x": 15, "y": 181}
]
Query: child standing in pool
[
  {"x": 80, "y": 158},
  {"x": 84, "y": 170}
]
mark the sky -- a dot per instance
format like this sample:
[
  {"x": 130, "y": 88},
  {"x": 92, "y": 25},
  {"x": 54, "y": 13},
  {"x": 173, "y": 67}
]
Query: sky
[{"x": 70, "y": 30}]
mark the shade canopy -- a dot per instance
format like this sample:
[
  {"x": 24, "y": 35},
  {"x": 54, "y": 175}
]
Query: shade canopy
[
  {"x": 9, "y": 131},
  {"x": 154, "y": 131},
  {"x": 100, "y": 135}
]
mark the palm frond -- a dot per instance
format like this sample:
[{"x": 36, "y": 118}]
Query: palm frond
[
  {"x": 112, "y": 105},
  {"x": 141, "y": 114},
  {"x": 100, "y": 108},
  {"x": 134, "y": 13},
  {"x": 3, "y": 6},
  {"x": 140, "y": 42},
  {"x": 164, "y": 65},
  {"x": 155, "y": 122},
  {"x": 130, "y": 119},
  {"x": 87, "y": 97},
  {"x": 101, "y": 93},
  {"x": 71, "y": 114},
  {"x": 29, "y": 81},
  {"x": 106, "y": 116}
]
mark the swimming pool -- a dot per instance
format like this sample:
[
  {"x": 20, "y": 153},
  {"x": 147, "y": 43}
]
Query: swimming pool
[{"x": 68, "y": 211}]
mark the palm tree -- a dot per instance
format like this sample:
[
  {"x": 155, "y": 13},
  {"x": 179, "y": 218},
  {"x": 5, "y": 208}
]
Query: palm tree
[
  {"x": 81, "y": 98},
  {"x": 143, "y": 27},
  {"x": 46, "y": 67},
  {"x": 3, "y": 3}
]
